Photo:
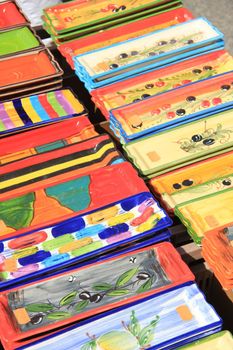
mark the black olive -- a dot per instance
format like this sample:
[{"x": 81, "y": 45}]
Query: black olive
[
  {"x": 196, "y": 138},
  {"x": 143, "y": 276},
  {"x": 145, "y": 96},
  {"x": 163, "y": 42},
  {"x": 84, "y": 295},
  {"x": 191, "y": 98},
  {"x": 113, "y": 66},
  {"x": 137, "y": 126},
  {"x": 122, "y": 8},
  {"x": 96, "y": 298},
  {"x": 172, "y": 41},
  {"x": 134, "y": 53},
  {"x": 123, "y": 55},
  {"x": 137, "y": 100},
  {"x": 176, "y": 186},
  {"x": 226, "y": 182},
  {"x": 180, "y": 112},
  {"x": 149, "y": 86},
  {"x": 37, "y": 319},
  {"x": 208, "y": 142},
  {"x": 115, "y": 10},
  {"x": 190, "y": 41},
  {"x": 187, "y": 182},
  {"x": 197, "y": 71},
  {"x": 207, "y": 68},
  {"x": 152, "y": 53},
  {"x": 225, "y": 87}
]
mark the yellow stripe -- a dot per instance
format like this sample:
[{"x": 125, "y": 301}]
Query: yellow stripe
[
  {"x": 27, "y": 106},
  {"x": 73, "y": 101},
  {"x": 54, "y": 168},
  {"x": 13, "y": 115}
]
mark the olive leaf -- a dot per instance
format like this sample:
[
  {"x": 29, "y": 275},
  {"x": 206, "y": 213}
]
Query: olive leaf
[
  {"x": 42, "y": 307},
  {"x": 66, "y": 300},
  {"x": 126, "y": 277},
  {"x": 58, "y": 315},
  {"x": 81, "y": 305},
  {"x": 147, "y": 334},
  {"x": 145, "y": 286},
  {"x": 134, "y": 325},
  {"x": 118, "y": 292},
  {"x": 102, "y": 286},
  {"x": 91, "y": 345}
]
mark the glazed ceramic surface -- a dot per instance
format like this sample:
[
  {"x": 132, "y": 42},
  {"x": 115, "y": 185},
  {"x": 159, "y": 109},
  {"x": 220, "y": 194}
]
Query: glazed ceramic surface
[
  {"x": 182, "y": 145},
  {"x": 128, "y": 219},
  {"x": 218, "y": 341},
  {"x": 159, "y": 81},
  {"x": 38, "y": 109},
  {"x": 16, "y": 40},
  {"x": 92, "y": 289},
  {"x": 205, "y": 214},
  {"x": 178, "y": 314},
  {"x": 66, "y": 196},
  {"x": 10, "y": 15},
  {"x": 185, "y": 104}
]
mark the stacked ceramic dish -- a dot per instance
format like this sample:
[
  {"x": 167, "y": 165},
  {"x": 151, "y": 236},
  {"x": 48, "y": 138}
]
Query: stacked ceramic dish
[
  {"x": 218, "y": 341},
  {"x": 76, "y": 19},
  {"x": 26, "y": 66}
]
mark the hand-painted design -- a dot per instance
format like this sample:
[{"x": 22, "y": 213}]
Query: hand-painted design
[
  {"x": 89, "y": 289},
  {"x": 205, "y": 139},
  {"x": 81, "y": 235},
  {"x": 133, "y": 336}
]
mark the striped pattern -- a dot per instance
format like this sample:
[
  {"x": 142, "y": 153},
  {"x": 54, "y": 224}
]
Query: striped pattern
[{"x": 43, "y": 108}]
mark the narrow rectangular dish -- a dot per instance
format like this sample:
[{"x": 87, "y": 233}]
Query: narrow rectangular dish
[
  {"x": 11, "y": 15},
  {"x": 218, "y": 341}
]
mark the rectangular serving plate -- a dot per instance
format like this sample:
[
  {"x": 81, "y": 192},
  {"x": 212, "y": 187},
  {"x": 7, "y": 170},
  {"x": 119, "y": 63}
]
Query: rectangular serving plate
[
  {"x": 15, "y": 71},
  {"x": 78, "y": 14},
  {"x": 185, "y": 310},
  {"x": 81, "y": 237},
  {"x": 11, "y": 15},
  {"x": 175, "y": 148},
  {"x": 160, "y": 265},
  {"x": 20, "y": 114},
  {"x": 122, "y": 33},
  {"x": 162, "y": 80},
  {"x": 18, "y": 40},
  {"x": 51, "y": 137},
  {"x": 217, "y": 341},
  {"x": 66, "y": 196},
  {"x": 175, "y": 107},
  {"x": 208, "y": 213},
  {"x": 193, "y": 175},
  {"x": 83, "y": 157},
  {"x": 153, "y": 50}
]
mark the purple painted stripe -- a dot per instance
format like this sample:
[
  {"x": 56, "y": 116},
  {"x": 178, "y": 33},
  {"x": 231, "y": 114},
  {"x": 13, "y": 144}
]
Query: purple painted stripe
[
  {"x": 5, "y": 118},
  {"x": 66, "y": 105}
]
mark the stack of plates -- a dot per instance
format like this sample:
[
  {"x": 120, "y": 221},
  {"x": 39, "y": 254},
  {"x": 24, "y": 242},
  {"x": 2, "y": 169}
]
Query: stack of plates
[
  {"x": 151, "y": 51},
  {"x": 11, "y": 15},
  {"x": 218, "y": 341},
  {"x": 79, "y": 18}
]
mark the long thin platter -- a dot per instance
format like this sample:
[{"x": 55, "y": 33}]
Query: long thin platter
[
  {"x": 218, "y": 341},
  {"x": 170, "y": 319},
  {"x": 11, "y": 15},
  {"x": 182, "y": 145}
]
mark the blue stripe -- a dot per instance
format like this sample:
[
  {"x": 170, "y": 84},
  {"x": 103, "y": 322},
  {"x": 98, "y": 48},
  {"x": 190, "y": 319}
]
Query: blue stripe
[{"x": 39, "y": 108}]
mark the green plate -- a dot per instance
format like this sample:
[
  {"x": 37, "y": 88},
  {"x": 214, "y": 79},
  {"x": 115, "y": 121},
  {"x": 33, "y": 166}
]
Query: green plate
[{"x": 17, "y": 40}]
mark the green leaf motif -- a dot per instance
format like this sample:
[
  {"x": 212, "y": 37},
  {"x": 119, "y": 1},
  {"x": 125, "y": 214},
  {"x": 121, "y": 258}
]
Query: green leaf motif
[
  {"x": 81, "y": 305},
  {"x": 134, "y": 326},
  {"x": 91, "y": 345},
  {"x": 126, "y": 277},
  {"x": 145, "y": 286},
  {"x": 147, "y": 333},
  {"x": 102, "y": 286},
  {"x": 17, "y": 212},
  {"x": 42, "y": 307},
  {"x": 118, "y": 292},
  {"x": 66, "y": 300},
  {"x": 58, "y": 315}
]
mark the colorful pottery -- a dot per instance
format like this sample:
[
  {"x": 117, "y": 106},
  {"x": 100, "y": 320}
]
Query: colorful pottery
[
  {"x": 162, "y": 80},
  {"x": 218, "y": 341},
  {"x": 11, "y": 15},
  {"x": 153, "y": 50},
  {"x": 182, "y": 145},
  {"x": 38, "y": 109},
  {"x": 187, "y": 103},
  {"x": 169, "y": 319}
]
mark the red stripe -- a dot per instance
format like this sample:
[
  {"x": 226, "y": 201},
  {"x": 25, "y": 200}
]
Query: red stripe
[{"x": 47, "y": 106}]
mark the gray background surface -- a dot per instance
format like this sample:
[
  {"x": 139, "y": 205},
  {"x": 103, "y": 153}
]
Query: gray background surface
[{"x": 219, "y": 12}]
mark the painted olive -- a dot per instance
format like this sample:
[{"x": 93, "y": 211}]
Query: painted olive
[
  {"x": 180, "y": 112},
  {"x": 172, "y": 41},
  {"x": 190, "y": 41},
  {"x": 152, "y": 53},
  {"x": 208, "y": 142},
  {"x": 122, "y": 8},
  {"x": 137, "y": 100},
  {"x": 84, "y": 295},
  {"x": 196, "y": 138},
  {"x": 96, "y": 298},
  {"x": 37, "y": 319},
  {"x": 123, "y": 55},
  {"x": 226, "y": 182},
  {"x": 149, "y": 86},
  {"x": 134, "y": 53},
  {"x": 145, "y": 96},
  {"x": 113, "y": 66},
  {"x": 162, "y": 42},
  {"x": 197, "y": 71},
  {"x": 177, "y": 186},
  {"x": 207, "y": 68},
  {"x": 143, "y": 276},
  {"x": 187, "y": 182},
  {"x": 191, "y": 99},
  {"x": 225, "y": 87},
  {"x": 137, "y": 126}
]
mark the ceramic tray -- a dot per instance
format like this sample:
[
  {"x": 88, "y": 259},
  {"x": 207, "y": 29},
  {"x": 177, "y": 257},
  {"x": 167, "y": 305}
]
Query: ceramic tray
[
  {"x": 82, "y": 237},
  {"x": 11, "y": 15},
  {"x": 170, "y": 319},
  {"x": 78, "y": 14},
  {"x": 218, "y": 341},
  {"x": 38, "y": 109},
  {"x": 15, "y": 71},
  {"x": 193, "y": 175},
  {"x": 122, "y": 33},
  {"x": 86, "y": 31},
  {"x": 153, "y": 50},
  {"x": 18, "y": 40},
  {"x": 205, "y": 214},
  {"x": 162, "y": 80},
  {"x": 182, "y": 145},
  {"x": 187, "y": 103},
  {"x": 49, "y": 138},
  {"x": 83, "y": 157},
  {"x": 66, "y": 196},
  {"x": 89, "y": 290}
]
